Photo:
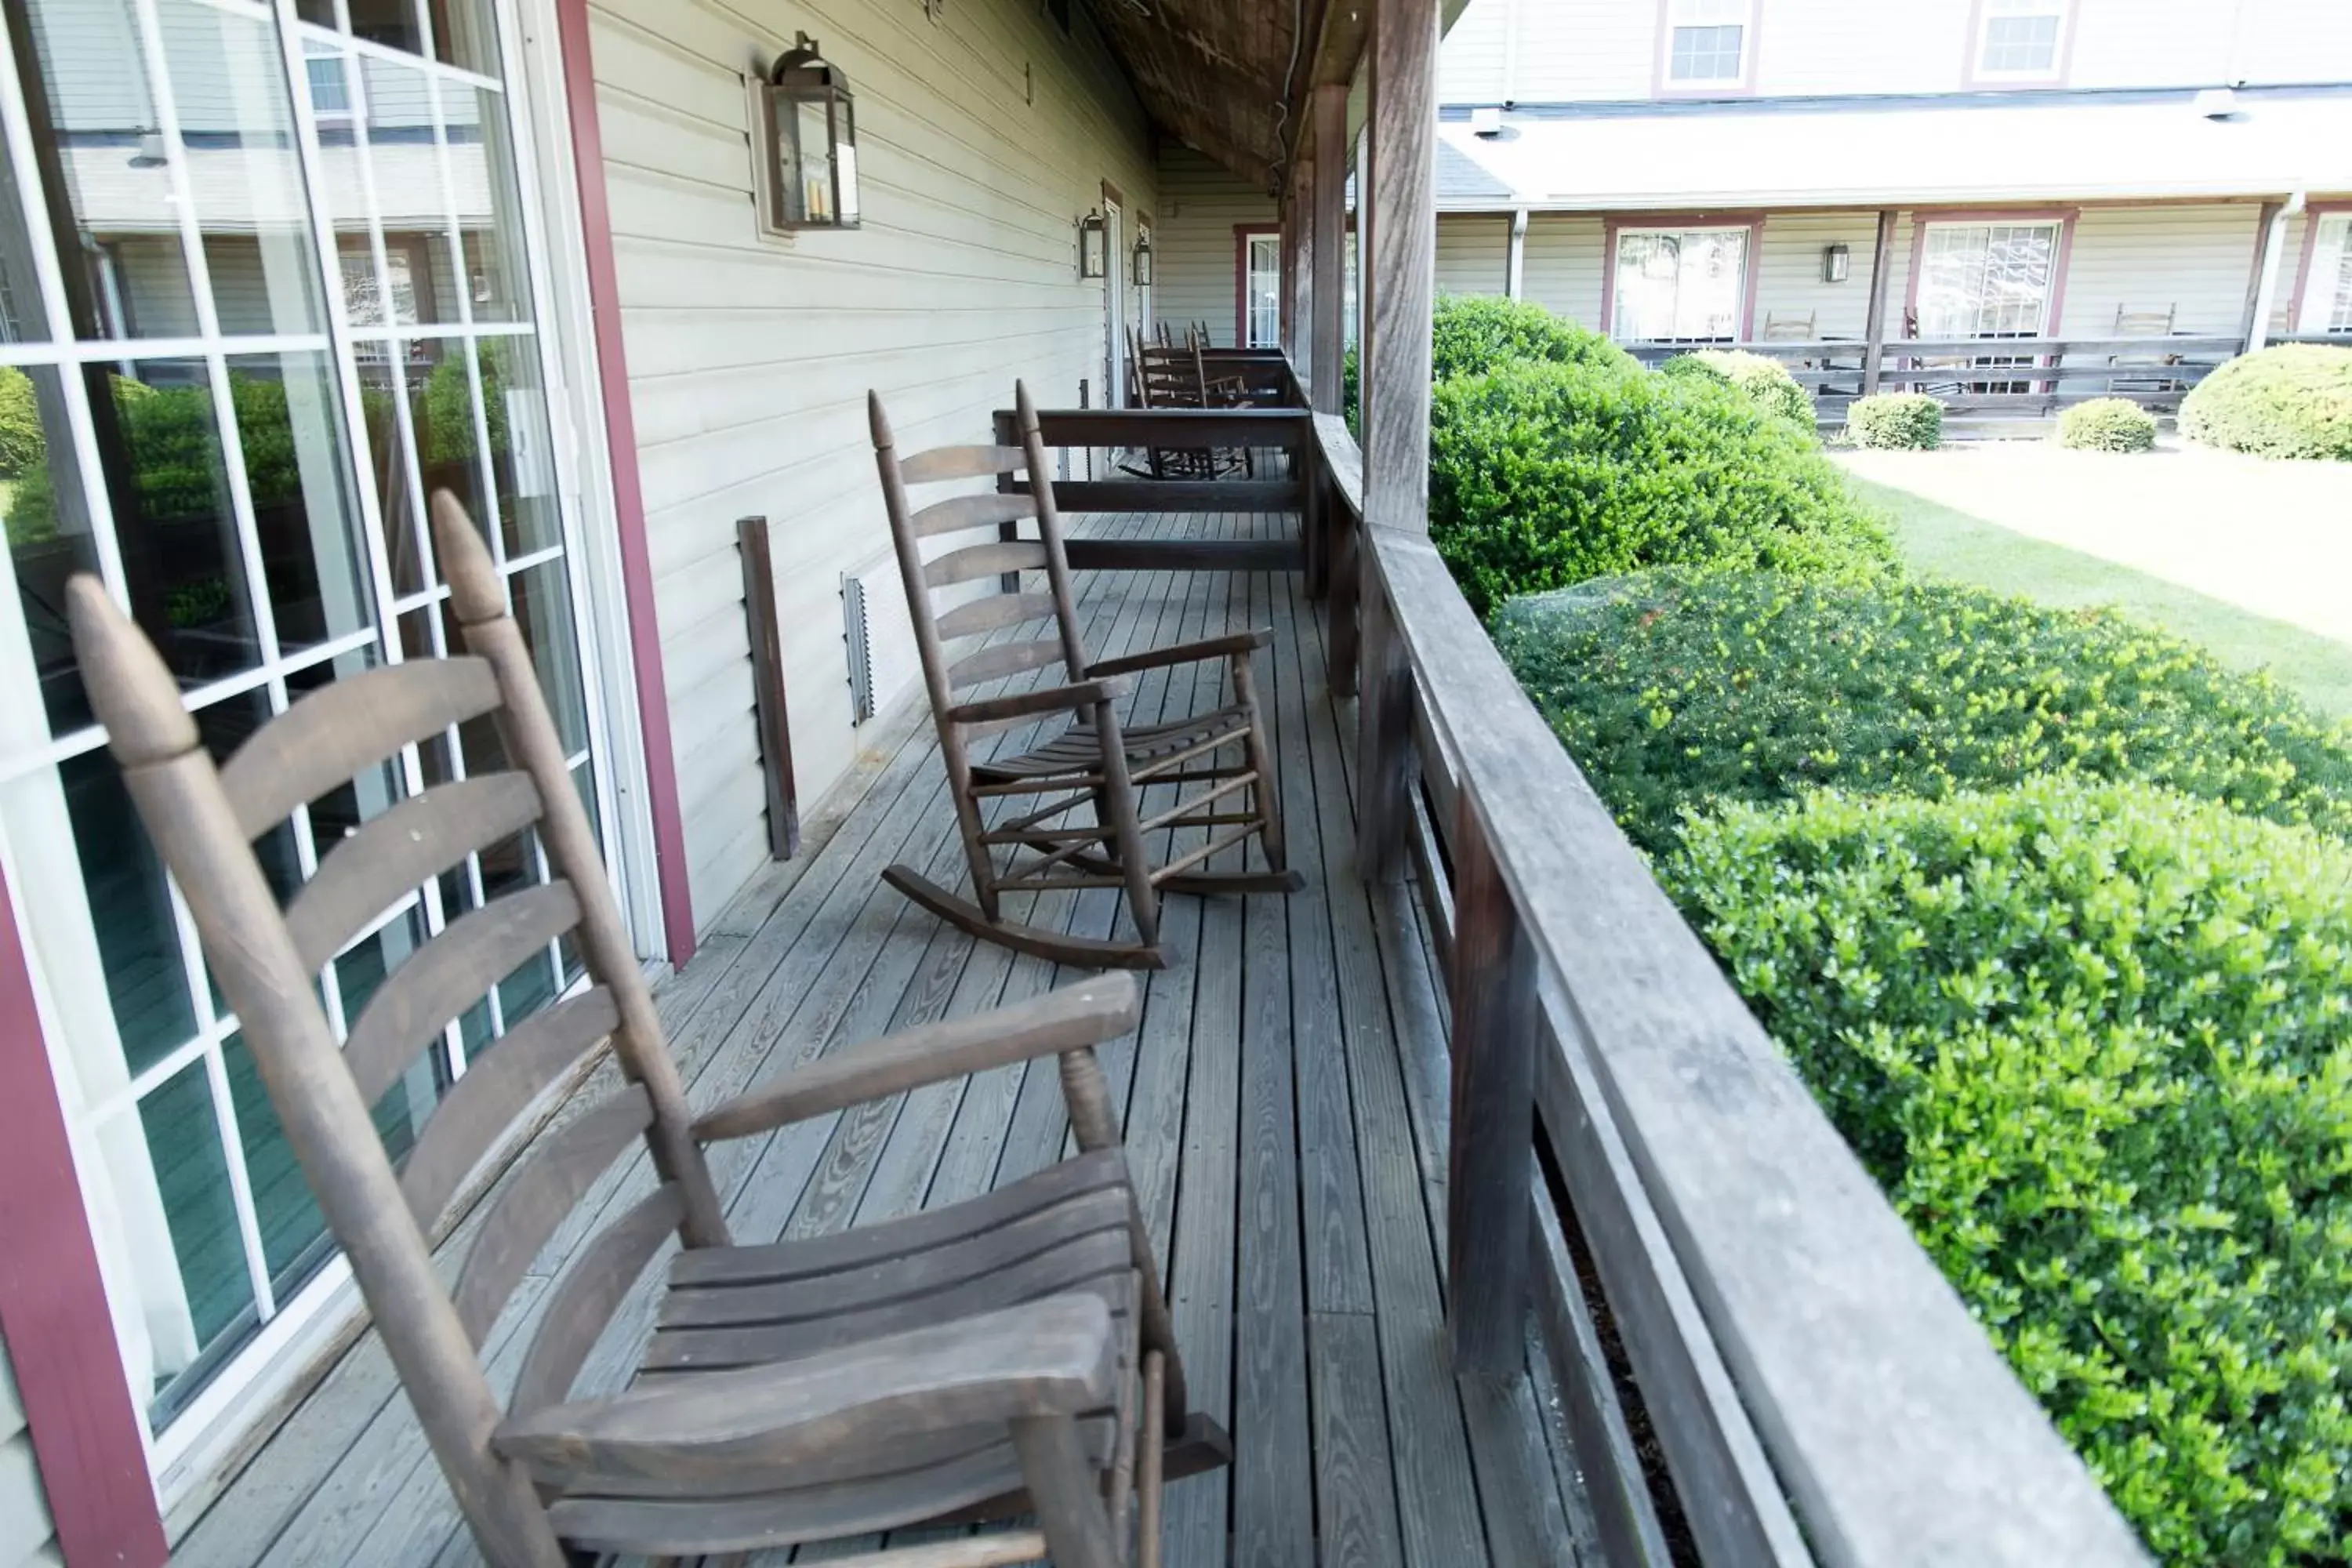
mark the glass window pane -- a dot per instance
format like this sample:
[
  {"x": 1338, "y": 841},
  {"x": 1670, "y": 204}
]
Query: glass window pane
[
  {"x": 448, "y": 449},
  {"x": 522, "y": 448},
  {"x": 130, "y": 912},
  {"x": 184, "y": 1140},
  {"x": 48, "y": 530},
  {"x": 101, "y": 144},
  {"x": 411, "y": 195},
  {"x": 174, "y": 516},
  {"x": 392, "y": 23},
  {"x": 464, "y": 35},
  {"x": 22, "y": 318},
  {"x": 244, "y": 170},
  {"x": 542, "y": 607},
  {"x": 297, "y": 467},
  {"x": 489, "y": 202}
]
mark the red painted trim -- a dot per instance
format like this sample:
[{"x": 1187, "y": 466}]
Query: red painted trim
[
  {"x": 628, "y": 498},
  {"x": 2062, "y": 216},
  {"x": 1750, "y": 36},
  {"x": 1969, "y": 74},
  {"x": 53, "y": 1309},
  {"x": 1611, "y": 227},
  {"x": 1241, "y": 233},
  {"x": 2312, "y": 212}
]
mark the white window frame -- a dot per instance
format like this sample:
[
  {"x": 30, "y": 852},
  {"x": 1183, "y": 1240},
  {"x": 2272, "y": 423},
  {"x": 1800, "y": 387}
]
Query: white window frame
[
  {"x": 1679, "y": 15},
  {"x": 2327, "y": 302},
  {"x": 1247, "y": 325},
  {"x": 1748, "y": 249},
  {"x": 1980, "y": 38}
]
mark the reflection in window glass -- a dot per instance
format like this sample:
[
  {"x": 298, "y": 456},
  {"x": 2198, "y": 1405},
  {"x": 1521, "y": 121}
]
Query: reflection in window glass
[
  {"x": 175, "y": 517},
  {"x": 411, "y": 194},
  {"x": 395, "y": 24},
  {"x": 522, "y": 449},
  {"x": 440, "y": 397},
  {"x": 542, "y": 608},
  {"x": 289, "y": 428},
  {"x": 94, "y": 118},
  {"x": 489, "y": 202},
  {"x": 465, "y": 36},
  {"x": 22, "y": 317},
  {"x": 49, "y": 530},
  {"x": 130, "y": 912},
  {"x": 184, "y": 1142}
]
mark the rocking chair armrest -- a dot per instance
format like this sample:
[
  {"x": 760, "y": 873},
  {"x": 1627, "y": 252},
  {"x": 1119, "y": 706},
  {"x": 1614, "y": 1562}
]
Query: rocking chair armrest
[
  {"x": 1232, "y": 644},
  {"x": 1087, "y": 1013},
  {"x": 1055, "y": 1357},
  {"x": 1051, "y": 700}
]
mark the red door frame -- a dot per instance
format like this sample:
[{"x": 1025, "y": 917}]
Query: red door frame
[
  {"x": 628, "y": 496},
  {"x": 53, "y": 1311}
]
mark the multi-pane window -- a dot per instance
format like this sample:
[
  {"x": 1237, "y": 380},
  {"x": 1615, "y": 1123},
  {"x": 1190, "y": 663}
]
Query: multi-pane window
[
  {"x": 262, "y": 290},
  {"x": 1679, "y": 285},
  {"x": 1262, "y": 291},
  {"x": 2328, "y": 292},
  {"x": 1988, "y": 280},
  {"x": 2021, "y": 37},
  {"x": 1707, "y": 42}
]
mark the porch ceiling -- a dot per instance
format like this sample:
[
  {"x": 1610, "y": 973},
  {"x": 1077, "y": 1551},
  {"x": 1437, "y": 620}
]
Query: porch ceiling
[{"x": 1219, "y": 73}]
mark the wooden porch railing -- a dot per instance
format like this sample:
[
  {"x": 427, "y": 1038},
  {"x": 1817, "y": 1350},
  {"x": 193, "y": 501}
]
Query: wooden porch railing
[
  {"x": 1627, "y": 1149},
  {"x": 1981, "y": 378}
]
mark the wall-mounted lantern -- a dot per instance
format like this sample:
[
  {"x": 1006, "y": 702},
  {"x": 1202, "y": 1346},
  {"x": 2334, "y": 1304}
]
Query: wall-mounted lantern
[
  {"x": 1143, "y": 259},
  {"x": 811, "y": 150},
  {"x": 1837, "y": 262},
  {"x": 1094, "y": 245}
]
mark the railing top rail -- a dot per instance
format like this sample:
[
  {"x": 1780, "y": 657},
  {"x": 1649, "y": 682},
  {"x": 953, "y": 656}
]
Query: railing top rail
[
  {"x": 1819, "y": 348},
  {"x": 1892, "y": 1421}
]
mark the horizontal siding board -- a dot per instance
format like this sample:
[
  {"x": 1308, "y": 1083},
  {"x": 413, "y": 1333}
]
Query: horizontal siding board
[
  {"x": 1193, "y": 244},
  {"x": 1474, "y": 255},
  {"x": 1562, "y": 261},
  {"x": 749, "y": 357},
  {"x": 2195, "y": 260}
]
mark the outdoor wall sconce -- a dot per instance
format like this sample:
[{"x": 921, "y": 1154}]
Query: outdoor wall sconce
[
  {"x": 1837, "y": 262},
  {"x": 1143, "y": 259},
  {"x": 811, "y": 152},
  {"x": 1094, "y": 245}
]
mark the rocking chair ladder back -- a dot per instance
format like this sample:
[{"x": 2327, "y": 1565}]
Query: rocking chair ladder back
[
  {"x": 1094, "y": 762},
  {"x": 972, "y": 1361}
]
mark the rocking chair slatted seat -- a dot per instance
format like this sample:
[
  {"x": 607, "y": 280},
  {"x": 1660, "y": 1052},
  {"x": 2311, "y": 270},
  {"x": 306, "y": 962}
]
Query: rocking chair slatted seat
[
  {"x": 1012, "y": 1353},
  {"x": 1092, "y": 761}
]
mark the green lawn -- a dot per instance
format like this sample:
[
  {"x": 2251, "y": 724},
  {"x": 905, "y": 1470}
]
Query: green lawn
[{"x": 1937, "y": 542}]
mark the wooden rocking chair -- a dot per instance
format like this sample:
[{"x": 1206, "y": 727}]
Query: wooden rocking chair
[
  {"x": 986, "y": 1358},
  {"x": 1091, "y": 762}
]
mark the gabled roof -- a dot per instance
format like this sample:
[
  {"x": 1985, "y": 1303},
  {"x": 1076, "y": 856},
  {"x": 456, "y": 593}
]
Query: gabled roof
[{"x": 1889, "y": 152}]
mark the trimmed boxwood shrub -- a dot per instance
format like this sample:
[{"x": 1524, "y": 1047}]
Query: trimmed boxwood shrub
[
  {"x": 1766, "y": 383},
  {"x": 1906, "y": 420},
  {"x": 2291, "y": 401},
  {"x": 2095, "y": 1043},
  {"x": 1547, "y": 474},
  {"x": 1473, "y": 333},
  {"x": 2108, "y": 425},
  {"x": 1679, "y": 688}
]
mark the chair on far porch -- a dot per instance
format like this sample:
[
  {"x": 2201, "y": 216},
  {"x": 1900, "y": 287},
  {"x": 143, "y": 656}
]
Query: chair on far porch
[
  {"x": 983, "y": 1359},
  {"x": 1091, "y": 762},
  {"x": 1792, "y": 328},
  {"x": 2137, "y": 377}
]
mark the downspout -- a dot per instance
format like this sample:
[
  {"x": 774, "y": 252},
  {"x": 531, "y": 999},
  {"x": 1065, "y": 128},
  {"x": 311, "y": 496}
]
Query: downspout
[
  {"x": 1515, "y": 273},
  {"x": 2258, "y": 323}
]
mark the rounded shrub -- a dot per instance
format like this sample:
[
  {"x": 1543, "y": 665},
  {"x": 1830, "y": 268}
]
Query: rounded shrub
[
  {"x": 2108, "y": 425},
  {"x": 1910, "y": 421},
  {"x": 2291, "y": 401},
  {"x": 1681, "y": 688},
  {"x": 2093, "y": 1041},
  {"x": 1764, "y": 382},
  {"x": 1473, "y": 333},
  {"x": 1547, "y": 474}
]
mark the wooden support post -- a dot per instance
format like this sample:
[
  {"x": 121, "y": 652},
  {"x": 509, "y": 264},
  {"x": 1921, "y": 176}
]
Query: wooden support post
[
  {"x": 1882, "y": 254},
  {"x": 1490, "y": 1138},
  {"x": 2262, "y": 284},
  {"x": 1298, "y": 262},
  {"x": 1386, "y": 764},
  {"x": 1402, "y": 187},
  {"x": 1329, "y": 248},
  {"x": 775, "y": 728}
]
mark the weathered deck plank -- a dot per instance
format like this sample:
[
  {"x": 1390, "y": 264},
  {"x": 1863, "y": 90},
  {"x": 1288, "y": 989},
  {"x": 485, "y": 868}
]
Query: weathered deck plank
[{"x": 1284, "y": 1104}]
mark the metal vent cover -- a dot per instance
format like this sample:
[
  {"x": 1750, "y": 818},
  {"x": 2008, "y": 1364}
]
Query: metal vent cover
[{"x": 879, "y": 637}]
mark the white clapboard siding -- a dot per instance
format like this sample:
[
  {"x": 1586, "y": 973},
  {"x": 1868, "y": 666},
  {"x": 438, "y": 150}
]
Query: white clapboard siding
[
  {"x": 983, "y": 137},
  {"x": 1808, "y": 46},
  {"x": 25, "y": 1539},
  {"x": 1788, "y": 279},
  {"x": 2195, "y": 260},
  {"x": 1563, "y": 263},
  {"x": 1195, "y": 250},
  {"x": 1473, "y": 253}
]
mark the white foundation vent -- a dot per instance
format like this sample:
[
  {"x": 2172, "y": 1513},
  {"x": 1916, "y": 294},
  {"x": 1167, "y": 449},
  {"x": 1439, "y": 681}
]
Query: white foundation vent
[{"x": 880, "y": 638}]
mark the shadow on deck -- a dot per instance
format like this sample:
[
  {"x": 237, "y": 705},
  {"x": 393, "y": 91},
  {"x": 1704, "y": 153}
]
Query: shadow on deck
[{"x": 1285, "y": 1105}]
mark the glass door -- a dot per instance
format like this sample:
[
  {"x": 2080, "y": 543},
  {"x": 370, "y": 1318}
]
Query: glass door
[
  {"x": 1987, "y": 280},
  {"x": 1686, "y": 286},
  {"x": 265, "y": 286}
]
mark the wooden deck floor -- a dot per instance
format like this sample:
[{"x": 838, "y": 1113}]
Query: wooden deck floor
[{"x": 1285, "y": 1101}]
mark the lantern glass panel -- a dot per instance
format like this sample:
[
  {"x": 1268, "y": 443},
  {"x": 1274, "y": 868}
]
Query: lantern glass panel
[
  {"x": 812, "y": 130},
  {"x": 845, "y": 158},
  {"x": 1091, "y": 243}
]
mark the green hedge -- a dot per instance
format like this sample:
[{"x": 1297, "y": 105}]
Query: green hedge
[
  {"x": 1764, "y": 382},
  {"x": 22, "y": 443},
  {"x": 1472, "y": 334},
  {"x": 2095, "y": 1042},
  {"x": 2108, "y": 425},
  {"x": 1686, "y": 688},
  {"x": 1547, "y": 474},
  {"x": 1904, "y": 420},
  {"x": 2291, "y": 401}
]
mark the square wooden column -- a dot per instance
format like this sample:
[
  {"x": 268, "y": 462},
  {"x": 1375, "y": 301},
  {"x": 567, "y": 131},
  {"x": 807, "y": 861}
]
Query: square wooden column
[
  {"x": 1328, "y": 221},
  {"x": 1402, "y": 268}
]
